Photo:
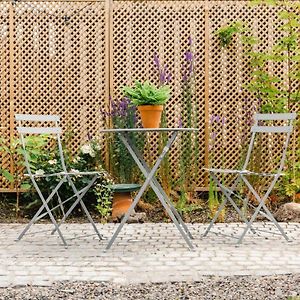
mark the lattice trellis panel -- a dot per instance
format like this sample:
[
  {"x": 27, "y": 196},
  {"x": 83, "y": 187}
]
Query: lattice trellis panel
[
  {"x": 145, "y": 28},
  {"x": 4, "y": 84},
  {"x": 59, "y": 63},
  {"x": 230, "y": 101},
  {"x": 66, "y": 58}
]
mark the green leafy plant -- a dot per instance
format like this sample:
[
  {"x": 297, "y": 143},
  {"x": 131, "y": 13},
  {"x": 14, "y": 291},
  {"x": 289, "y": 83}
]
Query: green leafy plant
[
  {"x": 274, "y": 92},
  {"x": 290, "y": 183},
  {"x": 16, "y": 153},
  {"x": 43, "y": 161},
  {"x": 189, "y": 155},
  {"x": 122, "y": 165},
  {"x": 226, "y": 33},
  {"x": 147, "y": 93}
]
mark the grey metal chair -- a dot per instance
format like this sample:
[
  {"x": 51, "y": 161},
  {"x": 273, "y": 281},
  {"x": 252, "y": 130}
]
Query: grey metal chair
[
  {"x": 36, "y": 128},
  {"x": 243, "y": 173}
]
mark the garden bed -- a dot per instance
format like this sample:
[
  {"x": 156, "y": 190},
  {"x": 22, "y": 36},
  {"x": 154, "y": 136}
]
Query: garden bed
[{"x": 197, "y": 212}]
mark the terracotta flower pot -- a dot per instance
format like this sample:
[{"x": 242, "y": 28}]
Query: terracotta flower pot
[
  {"x": 122, "y": 198},
  {"x": 150, "y": 115},
  {"x": 121, "y": 203}
]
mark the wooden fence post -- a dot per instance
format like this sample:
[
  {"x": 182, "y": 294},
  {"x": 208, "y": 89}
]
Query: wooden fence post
[
  {"x": 11, "y": 84},
  {"x": 206, "y": 84}
]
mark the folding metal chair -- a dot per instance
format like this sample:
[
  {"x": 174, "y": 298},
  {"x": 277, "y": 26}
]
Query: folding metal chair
[
  {"x": 64, "y": 176},
  {"x": 241, "y": 175}
]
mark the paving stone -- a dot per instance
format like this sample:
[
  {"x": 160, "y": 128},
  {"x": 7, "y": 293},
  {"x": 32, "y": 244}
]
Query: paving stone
[{"x": 142, "y": 253}]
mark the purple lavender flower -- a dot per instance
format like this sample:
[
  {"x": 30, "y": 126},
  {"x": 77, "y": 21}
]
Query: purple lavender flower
[
  {"x": 214, "y": 118},
  {"x": 114, "y": 106},
  {"x": 213, "y": 135},
  {"x": 190, "y": 41},
  {"x": 123, "y": 107},
  {"x": 189, "y": 56},
  {"x": 156, "y": 61},
  {"x": 180, "y": 123},
  {"x": 184, "y": 77},
  {"x": 162, "y": 77},
  {"x": 223, "y": 121},
  {"x": 191, "y": 69},
  {"x": 169, "y": 78}
]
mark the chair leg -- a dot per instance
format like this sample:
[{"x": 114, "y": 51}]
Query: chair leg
[
  {"x": 91, "y": 220},
  {"x": 259, "y": 207},
  {"x": 37, "y": 214},
  {"x": 215, "y": 217},
  {"x": 228, "y": 193},
  {"x": 69, "y": 211},
  {"x": 80, "y": 194}
]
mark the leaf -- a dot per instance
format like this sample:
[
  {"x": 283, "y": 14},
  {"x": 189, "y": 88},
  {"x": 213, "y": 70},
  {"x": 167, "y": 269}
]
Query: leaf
[
  {"x": 25, "y": 186},
  {"x": 8, "y": 176}
]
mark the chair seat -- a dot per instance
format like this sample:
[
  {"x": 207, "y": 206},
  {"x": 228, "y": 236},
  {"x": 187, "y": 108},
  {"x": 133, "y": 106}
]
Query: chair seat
[
  {"x": 65, "y": 173},
  {"x": 242, "y": 172}
]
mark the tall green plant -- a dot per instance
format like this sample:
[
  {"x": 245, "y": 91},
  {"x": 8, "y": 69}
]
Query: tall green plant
[
  {"x": 164, "y": 78},
  {"x": 189, "y": 147},
  {"x": 274, "y": 92}
]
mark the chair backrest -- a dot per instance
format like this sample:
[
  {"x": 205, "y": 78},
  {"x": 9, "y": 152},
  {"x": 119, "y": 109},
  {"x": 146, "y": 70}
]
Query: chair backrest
[
  {"x": 259, "y": 127},
  {"x": 36, "y": 127}
]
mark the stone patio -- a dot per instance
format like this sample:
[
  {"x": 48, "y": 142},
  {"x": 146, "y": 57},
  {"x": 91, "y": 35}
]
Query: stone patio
[{"x": 142, "y": 253}]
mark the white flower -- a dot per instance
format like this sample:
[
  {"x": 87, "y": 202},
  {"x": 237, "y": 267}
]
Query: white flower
[
  {"x": 75, "y": 171},
  {"x": 52, "y": 162},
  {"x": 92, "y": 153},
  {"x": 39, "y": 172},
  {"x": 86, "y": 149}
]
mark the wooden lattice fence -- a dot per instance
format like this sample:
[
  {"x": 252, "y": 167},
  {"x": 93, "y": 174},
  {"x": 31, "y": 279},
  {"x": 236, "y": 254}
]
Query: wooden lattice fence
[{"x": 68, "y": 57}]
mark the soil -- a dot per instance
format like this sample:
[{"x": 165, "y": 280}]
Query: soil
[{"x": 195, "y": 212}]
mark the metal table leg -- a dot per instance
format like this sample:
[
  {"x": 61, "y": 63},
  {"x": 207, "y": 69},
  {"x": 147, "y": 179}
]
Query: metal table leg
[
  {"x": 156, "y": 186},
  {"x": 149, "y": 174}
]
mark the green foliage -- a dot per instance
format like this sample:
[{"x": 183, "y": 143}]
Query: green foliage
[
  {"x": 189, "y": 146},
  {"x": 122, "y": 165},
  {"x": 147, "y": 93},
  {"x": 227, "y": 33},
  {"x": 213, "y": 199},
  {"x": 104, "y": 197},
  {"x": 16, "y": 153},
  {"x": 43, "y": 157},
  {"x": 290, "y": 183},
  {"x": 275, "y": 93}
]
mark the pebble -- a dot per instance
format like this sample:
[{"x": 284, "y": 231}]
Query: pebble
[{"x": 208, "y": 288}]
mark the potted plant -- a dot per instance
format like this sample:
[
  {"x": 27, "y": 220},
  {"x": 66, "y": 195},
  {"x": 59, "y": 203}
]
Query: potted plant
[{"x": 149, "y": 100}]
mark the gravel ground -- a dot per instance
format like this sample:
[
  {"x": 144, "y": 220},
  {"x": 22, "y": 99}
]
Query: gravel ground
[{"x": 237, "y": 288}]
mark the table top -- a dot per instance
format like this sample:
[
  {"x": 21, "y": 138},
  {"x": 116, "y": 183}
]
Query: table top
[{"x": 147, "y": 129}]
